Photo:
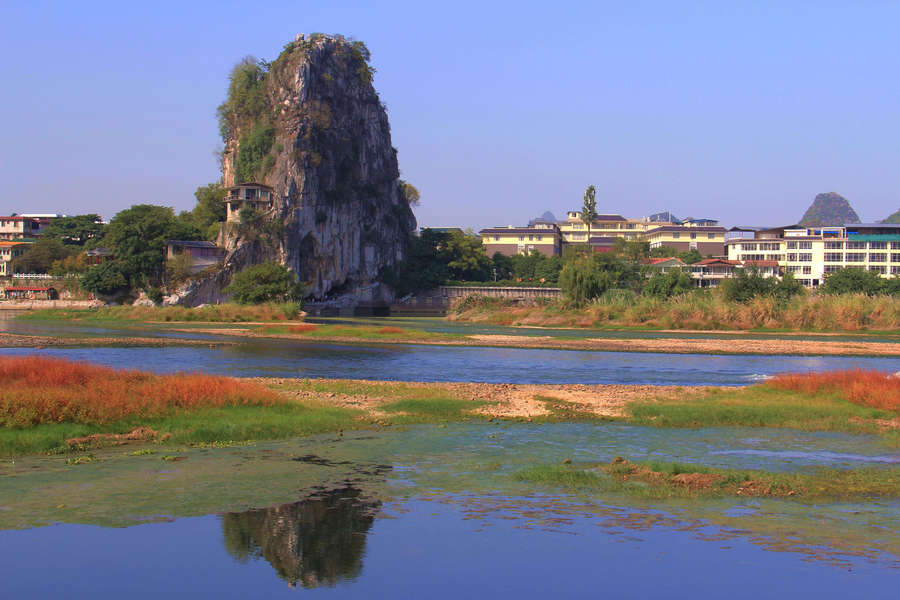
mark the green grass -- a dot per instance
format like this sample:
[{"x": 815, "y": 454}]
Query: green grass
[
  {"x": 361, "y": 332},
  {"x": 224, "y": 313},
  {"x": 232, "y": 424},
  {"x": 422, "y": 410},
  {"x": 759, "y": 406},
  {"x": 659, "y": 480}
]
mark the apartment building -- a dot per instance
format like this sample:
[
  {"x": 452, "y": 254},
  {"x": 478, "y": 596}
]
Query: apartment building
[
  {"x": 811, "y": 253},
  {"x": 17, "y": 227},
  {"x": 542, "y": 236},
  {"x": 9, "y": 251},
  {"x": 705, "y": 239}
]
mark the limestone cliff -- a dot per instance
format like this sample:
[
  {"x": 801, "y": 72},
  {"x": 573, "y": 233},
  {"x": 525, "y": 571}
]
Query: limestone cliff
[
  {"x": 311, "y": 126},
  {"x": 829, "y": 209}
]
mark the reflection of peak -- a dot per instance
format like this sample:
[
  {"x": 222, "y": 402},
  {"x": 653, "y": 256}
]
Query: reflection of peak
[{"x": 317, "y": 541}]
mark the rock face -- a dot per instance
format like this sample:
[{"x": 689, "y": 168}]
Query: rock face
[
  {"x": 829, "y": 209},
  {"x": 311, "y": 126}
]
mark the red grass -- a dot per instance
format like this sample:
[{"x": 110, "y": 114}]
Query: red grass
[
  {"x": 391, "y": 330},
  {"x": 39, "y": 390},
  {"x": 866, "y": 388}
]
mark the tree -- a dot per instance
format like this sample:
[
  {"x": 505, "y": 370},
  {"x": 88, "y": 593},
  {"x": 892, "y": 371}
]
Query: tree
[
  {"x": 76, "y": 230},
  {"x": 106, "y": 278},
  {"x": 671, "y": 283},
  {"x": 788, "y": 287},
  {"x": 210, "y": 208},
  {"x": 409, "y": 193},
  {"x": 589, "y": 210},
  {"x": 746, "y": 285},
  {"x": 581, "y": 281},
  {"x": 138, "y": 238},
  {"x": 853, "y": 280},
  {"x": 633, "y": 250},
  {"x": 266, "y": 282},
  {"x": 465, "y": 256},
  {"x": 40, "y": 256}
]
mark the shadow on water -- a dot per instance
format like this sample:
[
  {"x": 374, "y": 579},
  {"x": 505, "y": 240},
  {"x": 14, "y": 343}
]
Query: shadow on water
[{"x": 314, "y": 542}]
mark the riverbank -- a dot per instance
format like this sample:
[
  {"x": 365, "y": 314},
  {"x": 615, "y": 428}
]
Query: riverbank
[{"x": 42, "y": 414}]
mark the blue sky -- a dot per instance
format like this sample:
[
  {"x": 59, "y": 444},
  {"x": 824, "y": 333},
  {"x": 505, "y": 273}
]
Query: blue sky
[{"x": 499, "y": 110}]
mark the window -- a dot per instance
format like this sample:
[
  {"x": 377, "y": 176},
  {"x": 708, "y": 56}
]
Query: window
[
  {"x": 748, "y": 246},
  {"x": 792, "y": 245},
  {"x": 878, "y": 257},
  {"x": 832, "y": 268},
  {"x": 895, "y": 256},
  {"x": 807, "y": 270},
  {"x": 856, "y": 245},
  {"x": 693, "y": 236},
  {"x": 805, "y": 257},
  {"x": 855, "y": 256},
  {"x": 792, "y": 256},
  {"x": 805, "y": 245},
  {"x": 676, "y": 235},
  {"x": 834, "y": 245},
  {"x": 792, "y": 269},
  {"x": 752, "y": 257},
  {"x": 770, "y": 246},
  {"x": 895, "y": 245},
  {"x": 710, "y": 236},
  {"x": 496, "y": 238},
  {"x": 540, "y": 237},
  {"x": 877, "y": 245},
  {"x": 895, "y": 270},
  {"x": 521, "y": 238},
  {"x": 834, "y": 257},
  {"x": 881, "y": 269},
  {"x": 531, "y": 238}
]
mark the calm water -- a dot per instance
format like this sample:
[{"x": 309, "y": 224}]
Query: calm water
[
  {"x": 442, "y": 363},
  {"x": 436, "y": 512}
]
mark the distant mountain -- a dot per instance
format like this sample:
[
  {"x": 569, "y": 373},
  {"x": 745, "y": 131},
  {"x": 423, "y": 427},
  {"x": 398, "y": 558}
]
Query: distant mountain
[
  {"x": 829, "y": 209},
  {"x": 894, "y": 218},
  {"x": 547, "y": 216}
]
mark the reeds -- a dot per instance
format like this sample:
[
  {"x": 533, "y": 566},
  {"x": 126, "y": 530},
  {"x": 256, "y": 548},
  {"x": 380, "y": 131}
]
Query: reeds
[
  {"x": 865, "y": 388},
  {"x": 700, "y": 310},
  {"x": 38, "y": 390}
]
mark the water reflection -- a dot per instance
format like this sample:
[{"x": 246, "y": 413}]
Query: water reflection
[{"x": 313, "y": 542}]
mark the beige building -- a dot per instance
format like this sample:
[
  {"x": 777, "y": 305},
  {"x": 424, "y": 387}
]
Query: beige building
[
  {"x": 810, "y": 253},
  {"x": 247, "y": 195},
  {"x": 8, "y": 252},
  {"x": 543, "y": 237},
  {"x": 18, "y": 227},
  {"x": 707, "y": 240}
]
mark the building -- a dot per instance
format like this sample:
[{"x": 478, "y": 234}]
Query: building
[
  {"x": 710, "y": 272},
  {"x": 95, "y": 256},
  {"x": 707, "y": 240},
  {"x": 810, "y": 253},
  {"x": 257, "y": 196},
  {"x": 664, "y": 265},
  {"x": 30, "y": 293},
  {"x": 19, "y": 227},
  {"x": 543, "y": 237},
  {"x": 9, "y": 251},
  {"x": 201, "y": 255}
]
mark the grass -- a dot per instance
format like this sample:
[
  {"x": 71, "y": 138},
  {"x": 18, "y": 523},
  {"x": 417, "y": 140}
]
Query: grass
[
  {"x": 760, "y": 406},
  {"x": 360, "y": 332},
  {"x": 223, "y": 313},
  {"x": 430, "y": 410},
  {"x": 661, "y": 480},
  {"x": 39, "y": 390},
  {"x": 701, "y": 311},
  {"x": 48, "y": 404}
]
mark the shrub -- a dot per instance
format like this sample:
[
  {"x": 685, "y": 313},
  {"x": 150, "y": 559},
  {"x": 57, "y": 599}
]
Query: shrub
[
  {"x": 866, "y": 388},
  {"x": 853, "y": 280},
  {"x": 267, "y": 282}
]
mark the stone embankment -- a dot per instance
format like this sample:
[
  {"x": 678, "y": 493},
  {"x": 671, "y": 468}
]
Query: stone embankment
[{"x": 47, "y": 304}]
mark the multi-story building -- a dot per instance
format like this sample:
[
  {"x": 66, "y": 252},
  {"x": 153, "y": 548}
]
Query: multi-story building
[
  {"x": 17, "y": 227},
  {"x": 699, "y": 234},
  {"x": 810, "y": 253},
  {"x": 542, "y": 236},
  {"x": 9, "y": 251}
]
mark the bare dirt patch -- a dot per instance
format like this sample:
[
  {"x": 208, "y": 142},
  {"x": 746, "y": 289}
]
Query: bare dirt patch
[
  {"x": 140, "y": 434},
  {"x": 492, "y": 400}
]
